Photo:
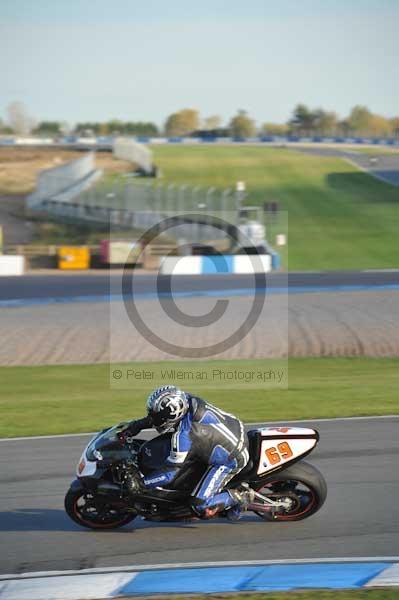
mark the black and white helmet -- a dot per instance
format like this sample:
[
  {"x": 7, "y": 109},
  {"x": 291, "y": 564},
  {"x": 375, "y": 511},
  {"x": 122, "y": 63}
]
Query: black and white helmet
[{"x": 166, "y": 405}]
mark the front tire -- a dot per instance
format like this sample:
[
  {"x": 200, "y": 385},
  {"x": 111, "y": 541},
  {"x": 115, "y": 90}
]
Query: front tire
[
  {"x": 302, "y": 484},
  {"x": 87, "y": 511}
]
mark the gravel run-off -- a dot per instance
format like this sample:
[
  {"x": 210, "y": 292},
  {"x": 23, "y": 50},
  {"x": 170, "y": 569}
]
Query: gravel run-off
[{"x": 312, "y": 324}]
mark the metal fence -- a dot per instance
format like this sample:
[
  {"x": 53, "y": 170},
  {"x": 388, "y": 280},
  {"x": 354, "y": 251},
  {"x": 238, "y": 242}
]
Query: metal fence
[{"x": 200, "y": 213}]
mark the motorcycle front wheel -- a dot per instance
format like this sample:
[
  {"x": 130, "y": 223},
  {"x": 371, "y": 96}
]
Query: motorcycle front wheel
[
  {"x": 302, "y": 486},
  {"x": 95, "y": 513}
]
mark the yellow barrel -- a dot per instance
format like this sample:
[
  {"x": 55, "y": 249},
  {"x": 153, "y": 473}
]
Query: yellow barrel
[{"x": 73, "y": 257}]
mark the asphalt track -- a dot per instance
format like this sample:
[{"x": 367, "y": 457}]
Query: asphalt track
[
  {"x": 381, "y": 166},
  {"x": 99, "y": 284},
  {"x": 360, "y": 517}
]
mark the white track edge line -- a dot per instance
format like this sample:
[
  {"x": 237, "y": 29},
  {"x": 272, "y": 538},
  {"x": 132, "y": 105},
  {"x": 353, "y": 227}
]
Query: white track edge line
[
  {"x": 198, "y": 565},
  {"x": 87, "y": 433}
]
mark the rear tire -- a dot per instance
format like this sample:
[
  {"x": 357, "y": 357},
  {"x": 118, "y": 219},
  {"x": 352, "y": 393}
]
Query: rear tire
[
  {"x": 81, "y": 507},
  {"x": 303, "y": 484}
]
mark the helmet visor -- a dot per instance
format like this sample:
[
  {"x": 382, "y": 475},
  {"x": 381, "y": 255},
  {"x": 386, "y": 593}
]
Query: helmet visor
[{"x": 159, "y": 418}]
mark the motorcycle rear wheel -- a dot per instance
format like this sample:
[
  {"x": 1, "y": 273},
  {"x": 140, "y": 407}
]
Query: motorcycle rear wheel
[
  {"x": 81, "y": 507},
  {"x": 303, "y": 484}
]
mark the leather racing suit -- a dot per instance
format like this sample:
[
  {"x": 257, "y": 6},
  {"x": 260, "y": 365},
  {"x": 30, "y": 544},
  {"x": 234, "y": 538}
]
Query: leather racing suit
[{"x": 208, "y": 435}]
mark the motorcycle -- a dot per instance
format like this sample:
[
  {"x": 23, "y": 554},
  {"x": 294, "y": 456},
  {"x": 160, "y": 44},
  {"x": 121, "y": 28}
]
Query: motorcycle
[{"x": 107, "y": 492}]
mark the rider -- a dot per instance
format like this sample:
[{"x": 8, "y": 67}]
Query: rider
[{"x": 201, "y": 432}]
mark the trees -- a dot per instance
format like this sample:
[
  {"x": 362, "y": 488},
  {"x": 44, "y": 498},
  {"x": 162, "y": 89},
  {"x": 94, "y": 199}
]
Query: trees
[
  {"x": 212, "y": 122},
  {"x": 394, "y": 124},
  {"x": 306, "y": 121},
  {"x": 274, "y": 129},
  {"x": 182, "y": 122},
  {"x": 19, "y": 119},
  {"x": 343, "y": 127},
  {"x": 362, "y": 121},
  {"x": 48, "y": 128},
  {"x": 359, "y": 119},
  {"x": 141, "y": 128},
  {"x": 117, "y": 127},
  {"x": 4, "y": 129},
  {"x": 379, "y": 126},
  {"x": 303, "y": 120},
  {"x": 325, "y": 123},
  {"x": 88, "y": 128},
  {"x": 241, "y": 125}
]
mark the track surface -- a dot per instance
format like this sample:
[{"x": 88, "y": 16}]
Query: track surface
[
  {"x": 360, "y": 518},
  {"x": 99, "y": 284},
  {"x": 385, "y": 167}
]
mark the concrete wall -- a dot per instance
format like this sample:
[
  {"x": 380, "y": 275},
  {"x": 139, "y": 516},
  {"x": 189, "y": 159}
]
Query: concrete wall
[
  {"x": 207, "y": 265},
  {"x": 59, "y": 180},
  {"x": 11, "y": 265},
  {"x": 128, "y": 149}
]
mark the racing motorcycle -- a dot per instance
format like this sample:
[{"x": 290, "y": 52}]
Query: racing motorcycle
[{"x": 107, "y": 492}]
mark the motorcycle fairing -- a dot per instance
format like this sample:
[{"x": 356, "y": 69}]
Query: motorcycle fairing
[
  {"x": 271, "y": 449},
  {"x": 280, "y": 446}
]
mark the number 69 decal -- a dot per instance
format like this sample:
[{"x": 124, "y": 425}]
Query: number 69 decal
[
  {"x": 275, "y": 454},
  {"x": 278, "y": 451}
]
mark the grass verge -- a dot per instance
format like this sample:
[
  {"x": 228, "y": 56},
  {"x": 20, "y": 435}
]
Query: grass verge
[
  {"x": 19, "y": 166},
  {"x": 66, "y": 399},
  {"x": 339, "y": 217},
  {"x": 377, "y": 150}
]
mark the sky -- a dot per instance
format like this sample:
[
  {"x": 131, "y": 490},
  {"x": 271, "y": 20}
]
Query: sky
[{"x": 94, "y": 60}]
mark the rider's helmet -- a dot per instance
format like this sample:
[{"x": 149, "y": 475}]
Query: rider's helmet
[{"x": 166, "y": 406}]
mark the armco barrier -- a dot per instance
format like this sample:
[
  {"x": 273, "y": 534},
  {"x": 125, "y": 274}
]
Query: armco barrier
[
  {"x": 64, "y": 182},
  {"x": 244, "y": 576},
  {"x": 11, "y": 265},
  {"x": 208, "y": 265}
]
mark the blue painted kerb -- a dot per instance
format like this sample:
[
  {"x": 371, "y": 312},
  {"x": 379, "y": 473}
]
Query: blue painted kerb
[
  {"x": 19, "y": 302},
  {"x": 254, "y": 578},
  {"x": 217, "y": 264}
]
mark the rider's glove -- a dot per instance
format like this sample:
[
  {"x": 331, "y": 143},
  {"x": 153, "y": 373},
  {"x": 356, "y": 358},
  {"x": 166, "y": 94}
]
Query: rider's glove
[
  {"x": 134, "y": 427},
  {"x": 125, "y": 437}
]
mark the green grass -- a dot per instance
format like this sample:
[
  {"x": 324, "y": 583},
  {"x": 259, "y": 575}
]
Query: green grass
[
  {"x": 338, "y": 217},
  {"x": 378, "y": 150},
  {"x": 384, "y": 594},
  {"x": 64, "y": 399}
]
